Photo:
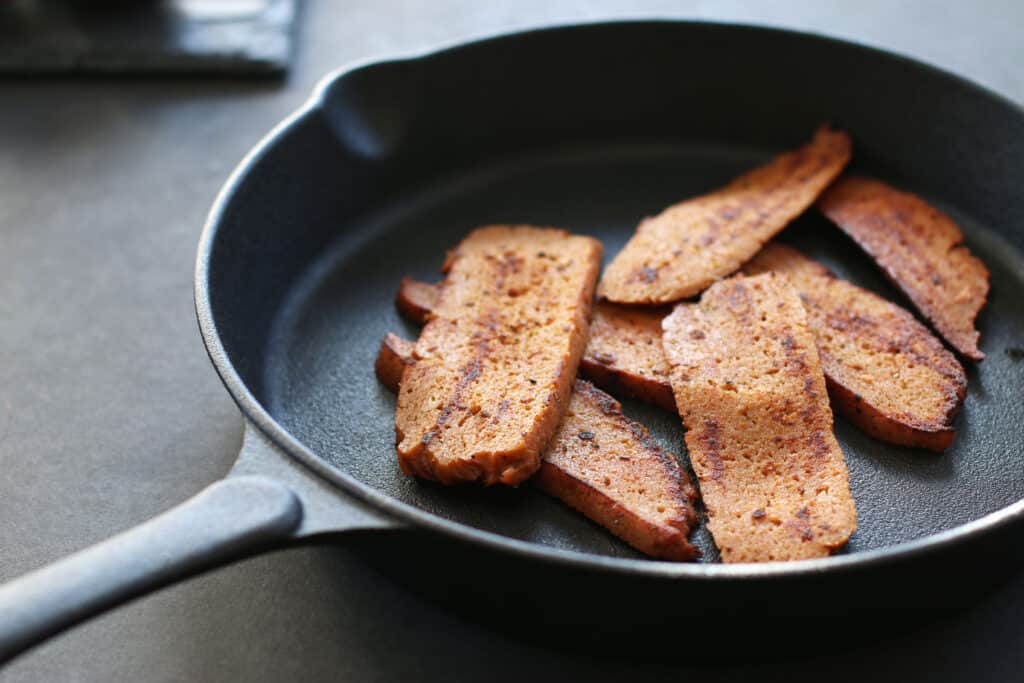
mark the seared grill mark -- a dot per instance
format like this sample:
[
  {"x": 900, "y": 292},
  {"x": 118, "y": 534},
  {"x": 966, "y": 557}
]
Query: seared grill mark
[
  {"x": 669, "y": 462},
  {"x": 608, "y": 405},
  {"x": 502, "y": 409},
  {"x": 818, "y": 444},
  {"x": 890, "y": 336},
  {"x": 800, "y": 525},
  {"x": 811, "y": 414},
  {"x": 711, "y": 449},
  {"x": 508, "y": 264},
  {"x": 645, "y": 274},
  {"x": 740, "y": 302},
  {"x": 468, "y": 373}
]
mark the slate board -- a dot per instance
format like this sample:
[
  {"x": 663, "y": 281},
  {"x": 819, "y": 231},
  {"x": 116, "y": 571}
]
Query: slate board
[{"x": 114, "y": 37}]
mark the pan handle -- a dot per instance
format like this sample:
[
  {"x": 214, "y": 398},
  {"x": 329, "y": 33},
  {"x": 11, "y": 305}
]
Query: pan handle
[{"x": 229, "y": 520}]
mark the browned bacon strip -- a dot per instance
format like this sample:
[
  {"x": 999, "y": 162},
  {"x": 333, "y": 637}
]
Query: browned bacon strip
[
  {"x": 681, "y": 251},
  {"x": 921, "y": 251},
  {"x": 752, "y": 397},
  {"x": 416, "y": 299},
  {"x": 602, "y": 464},
  {"x": 886, "y": 372},
  {"x": 394, "y": 356},
  {"x": 623, "y": 356},
  {"x": 496, "y": 361}
]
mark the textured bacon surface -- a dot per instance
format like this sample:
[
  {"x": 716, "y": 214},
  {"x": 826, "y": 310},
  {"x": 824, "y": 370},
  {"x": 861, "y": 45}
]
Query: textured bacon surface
[
  {"x": 921, "y": 251},
  {"x": 751, "y": 394},
  {"x": 886, "y": 372},
  {"x": 609, "y": 468},
  {"x": 623, "y": 356},
  {"x": 687, "y": 247},
  {"x": 602, "y": 464},
  {"x": 496, "y": 361}
]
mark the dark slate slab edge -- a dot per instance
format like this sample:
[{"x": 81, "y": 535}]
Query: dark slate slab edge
[{"x": 148, "y": 37}]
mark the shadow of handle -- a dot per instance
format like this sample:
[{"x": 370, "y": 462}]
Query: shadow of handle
[{"x": 227, "y": 521}]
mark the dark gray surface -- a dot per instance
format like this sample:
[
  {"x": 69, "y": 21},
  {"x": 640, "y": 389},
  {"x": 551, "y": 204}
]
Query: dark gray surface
[
  {"x": 251, "y": 37},
  {"x": 109, "y": 412},
  {"x": 224, "y": 521}
]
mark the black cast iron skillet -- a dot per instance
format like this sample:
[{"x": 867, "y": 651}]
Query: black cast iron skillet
[{"x": 588, "y": 128}]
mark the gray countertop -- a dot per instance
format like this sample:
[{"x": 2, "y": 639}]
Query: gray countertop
[{"x": 110, "y": 413}]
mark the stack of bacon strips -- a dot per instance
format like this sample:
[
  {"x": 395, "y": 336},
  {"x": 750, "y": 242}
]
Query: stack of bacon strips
[{"x": 754, "y": 367}]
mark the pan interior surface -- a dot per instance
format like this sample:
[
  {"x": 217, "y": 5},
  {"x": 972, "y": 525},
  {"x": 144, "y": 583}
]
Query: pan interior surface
[{"x": 318, "y": 378}]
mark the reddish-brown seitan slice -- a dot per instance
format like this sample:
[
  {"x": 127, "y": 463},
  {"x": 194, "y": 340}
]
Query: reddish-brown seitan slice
[
  {"x": 681, "y": 251},
  {"x": 625, "y": 355},
  {"x": 751, "y": 394},
  {"x": 602, "y": 464},
  {"x": 886, "y": 372},
  {"x": 496, "y": 361},
  {"x": 416, "y": 299},
  {"x": 610, "y": 469},
  {"x": 921, "y": 251},
  {"x": 394, "y": 355}
]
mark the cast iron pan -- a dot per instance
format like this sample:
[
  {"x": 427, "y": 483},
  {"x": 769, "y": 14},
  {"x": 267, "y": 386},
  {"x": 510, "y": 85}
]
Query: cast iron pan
[{"x": 589, "y": 128}]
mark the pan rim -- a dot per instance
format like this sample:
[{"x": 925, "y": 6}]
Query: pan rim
[{"x": 258, "y": 416}]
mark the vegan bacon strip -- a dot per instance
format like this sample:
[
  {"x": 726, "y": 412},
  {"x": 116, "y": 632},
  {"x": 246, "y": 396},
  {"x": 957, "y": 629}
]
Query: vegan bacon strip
[
  {"x": 687, "y": 247},
  {"x": 751, "y": 394},
  {"x": 496, "y": 361},
  {"x": 921, "y": 251},
  {"x": 625, "y": 355},
  {"x": 415, "y": 299},
  {"x": 609, "y": 468}
]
